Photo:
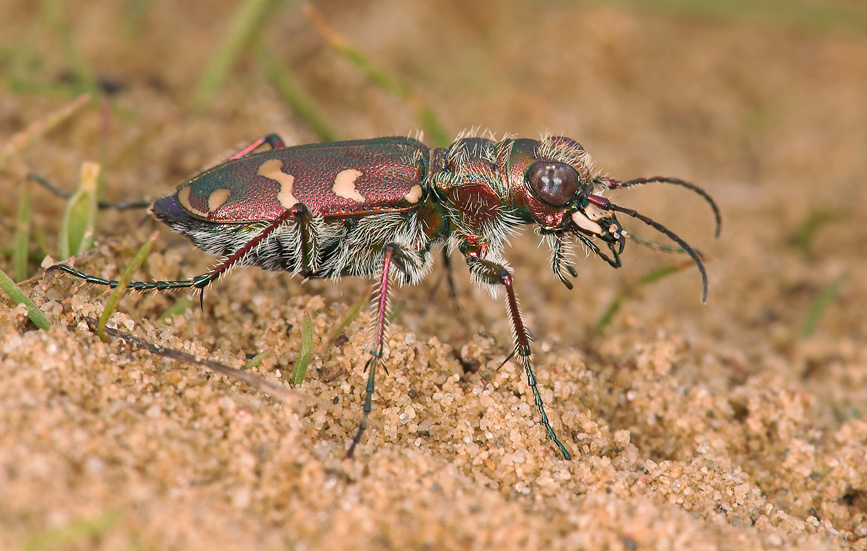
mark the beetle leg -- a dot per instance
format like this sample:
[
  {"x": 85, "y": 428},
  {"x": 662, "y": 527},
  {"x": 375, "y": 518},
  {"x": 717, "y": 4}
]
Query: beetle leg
[
  {"x": 453, "y": 290},
  {"x": 560, "y": 263},
  {"x": 274, "y": 140},
  {"x": 497, "y": 274},
  {"x": 309, "y": 243},
  {"x": 102, "y": 205},
  {"x": 376, "y": 349},
  {"x": 200, "y": 281}
]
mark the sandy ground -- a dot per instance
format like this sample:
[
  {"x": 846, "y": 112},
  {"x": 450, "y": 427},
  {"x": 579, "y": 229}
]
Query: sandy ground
[{"x": 693, "y": 426}]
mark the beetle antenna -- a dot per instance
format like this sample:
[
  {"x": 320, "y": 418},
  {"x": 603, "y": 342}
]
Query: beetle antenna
[
  {"x": 659, "y": 246},
  {"x": 611, "y": 183},
  {"x": 605, "y": 204}
]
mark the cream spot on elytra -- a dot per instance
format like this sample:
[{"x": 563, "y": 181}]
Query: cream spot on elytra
[
  {"x": 414, "y": 195},
  {"x": 344, "y": 185},
  {"x": 273, "y": 170},
  {"x": 184, "y": 199},
  {"x": 217, "y": 198}
]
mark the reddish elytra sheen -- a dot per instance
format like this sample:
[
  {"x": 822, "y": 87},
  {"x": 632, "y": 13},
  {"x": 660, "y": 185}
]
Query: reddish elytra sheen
[{"x": 376, "y": 208}]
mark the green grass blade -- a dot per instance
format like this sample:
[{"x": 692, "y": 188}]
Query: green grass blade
[
  {"x": 432, "y": 126},
  {"x": 33, "y": 256},
  {"x": 430, "y": 123},
  {"x": 59, "y": 20},
  {"x": 283, "y": 80},
  {"x": 22, "y": 237},
  {"x": 41, "y": 241},
  {"x": 300, "y": 370},
  {"x": 40, "y": 127},
  {"x": 79, "y": 218},
  {"x": 394, "y": 312},
  {"x": 828, "y": 16},
  {"x": 803, "y": 235},
  {"x": 125, "y": 278},
  {"x": 256, "y": 360},
  {"x": 649, "y": 278},
  {"x": 246, "y": 23},
  {"x": 74, "y": 533},
  {"x": 177, "y": 309},
  {"x": 823, "y": 300},
  {"x": 350, "y": 315},
  {"x": 18, "y": 297}
]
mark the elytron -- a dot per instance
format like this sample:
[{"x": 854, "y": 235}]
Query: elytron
[{"x": 376, "y": 208}]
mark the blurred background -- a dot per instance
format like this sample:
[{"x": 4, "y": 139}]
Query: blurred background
[{"x": 761, "y": 103}]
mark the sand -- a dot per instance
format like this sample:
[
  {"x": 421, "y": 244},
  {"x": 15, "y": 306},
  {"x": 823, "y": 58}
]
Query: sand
[{"x": 717, "y": 426}]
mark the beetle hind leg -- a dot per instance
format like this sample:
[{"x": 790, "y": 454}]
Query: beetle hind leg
[
  {"x": 273, "y": 140},
  {"x": 199, "y": 282}
]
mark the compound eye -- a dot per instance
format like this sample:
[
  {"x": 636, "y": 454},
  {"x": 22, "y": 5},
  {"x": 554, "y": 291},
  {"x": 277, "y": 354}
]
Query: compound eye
[{"x": 553, "y": 183}]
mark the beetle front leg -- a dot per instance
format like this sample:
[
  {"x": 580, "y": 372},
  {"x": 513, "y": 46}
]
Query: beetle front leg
[
  {"x": 376, "y": 349},
  {"x": 497, "y": 274},
  {"x": 560, "y": 263}
]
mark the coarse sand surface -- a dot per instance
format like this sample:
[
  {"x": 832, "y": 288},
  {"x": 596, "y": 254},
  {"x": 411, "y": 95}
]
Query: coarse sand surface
[{"x": 730, "y": 425}]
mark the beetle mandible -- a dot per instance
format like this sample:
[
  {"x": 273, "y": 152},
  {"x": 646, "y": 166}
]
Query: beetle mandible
[{"x": 375, "y": 208}]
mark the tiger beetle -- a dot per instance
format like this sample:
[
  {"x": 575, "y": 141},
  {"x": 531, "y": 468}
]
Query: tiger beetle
[{"x": 374, "y": 208}]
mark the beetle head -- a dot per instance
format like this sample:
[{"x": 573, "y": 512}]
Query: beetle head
[{"x": 559, "y": 191}]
